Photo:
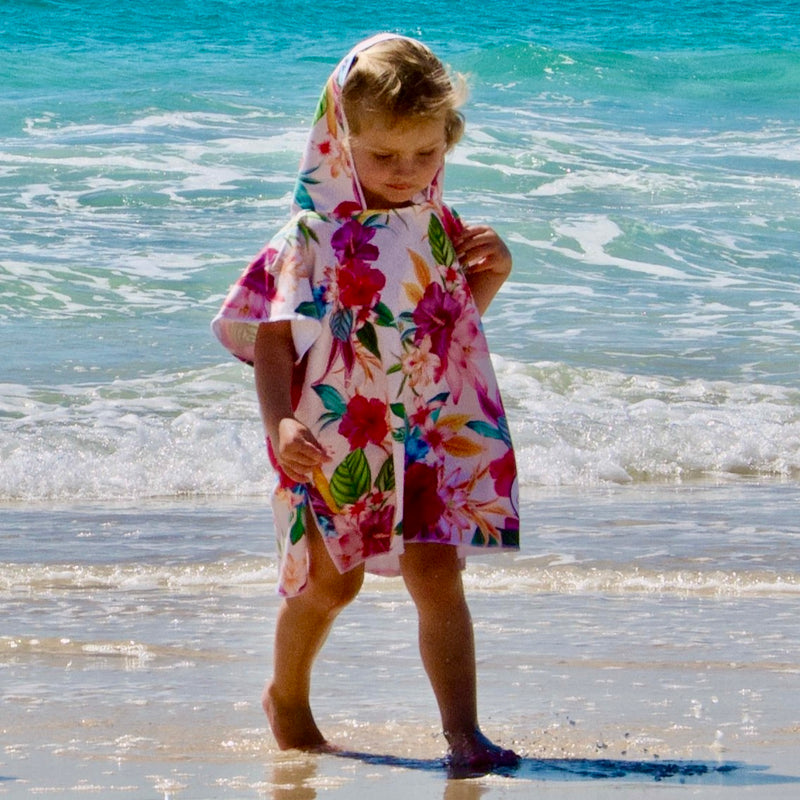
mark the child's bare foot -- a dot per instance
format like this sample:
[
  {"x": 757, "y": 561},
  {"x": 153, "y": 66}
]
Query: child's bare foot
[
  {"x": 474, "y": 754},
  {"x": 292, "y": 727}
]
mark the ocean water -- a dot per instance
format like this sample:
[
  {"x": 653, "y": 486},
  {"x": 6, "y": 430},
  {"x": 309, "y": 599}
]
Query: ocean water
[{"x": 643, "y": 162}]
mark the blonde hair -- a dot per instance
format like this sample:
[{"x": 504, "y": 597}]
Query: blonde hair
[{"x": 403, "y": 78}]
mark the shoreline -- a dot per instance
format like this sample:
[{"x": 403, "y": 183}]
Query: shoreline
[{"x": 138, "y": 638}]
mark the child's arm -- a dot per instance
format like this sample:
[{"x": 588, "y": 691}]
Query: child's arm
[
  {"x": 486, "y": 261},
  {"x": 294, "y": 446}
]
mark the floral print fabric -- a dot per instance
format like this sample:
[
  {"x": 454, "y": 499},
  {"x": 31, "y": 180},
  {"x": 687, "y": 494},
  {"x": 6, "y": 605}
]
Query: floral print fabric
[{"x": 394, "y": 375}]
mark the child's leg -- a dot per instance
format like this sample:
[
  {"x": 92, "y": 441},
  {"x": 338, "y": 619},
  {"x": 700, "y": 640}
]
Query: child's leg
[
  {"x": 302, "y": 626},
  {"x": 432, "y": 573}
]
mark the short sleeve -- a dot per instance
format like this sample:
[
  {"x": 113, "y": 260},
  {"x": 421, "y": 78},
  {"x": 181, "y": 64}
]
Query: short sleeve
[{"x": 275, "y": 287}]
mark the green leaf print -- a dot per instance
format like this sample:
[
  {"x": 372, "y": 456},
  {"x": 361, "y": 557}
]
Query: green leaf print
[
  {"x": 485, "y": 429},
  {"x": 385, "y": 480},
  {"x": 302, "y": 198},
  {"x": 331, "y": 399},
  {"x": 399, "y": 410},
  {"x": 441, "y": 246},
  {"x": 383, "y": 315},
  {"x": 374, "y": 221},
  {"x": 367, "y": 336},
  {"x": 298, "y": 527},
  {"x": 502, "y": 425},
  {"x": 480, "y": 539},
  {"x": 306, "y": 232},
  {"x": 322, "y": 107},
  {"x": 312, "y": 309},
  {"x": 352, "y": 479}
]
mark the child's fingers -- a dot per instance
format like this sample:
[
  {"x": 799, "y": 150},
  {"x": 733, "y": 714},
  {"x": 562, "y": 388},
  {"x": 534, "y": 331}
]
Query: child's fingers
[
  {"x": 299, "y": 452},
  {"x": 480, "y": 256},
  {"x": 303, "y": 458},
  {"x": 475, "y": 244},
  {"x": 480, "y": 249}
]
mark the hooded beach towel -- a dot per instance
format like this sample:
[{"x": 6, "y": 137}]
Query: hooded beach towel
[{"x": 396, "y": 379}]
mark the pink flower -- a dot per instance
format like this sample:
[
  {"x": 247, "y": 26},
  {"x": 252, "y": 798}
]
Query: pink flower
[
  {"x": 257, "y": 278},
  {"x": 365, "y": 529},
  {"x": 467, "y": 355},
  {"x": 504, "y": 472},
  {"x": 334, "y": 154},
  {"x": 454, "y": 493},
  {"x": 251, "y": 296},
  {"x": 364, "y": 421},
  {"x": 451, "y": 223},
  {"x": 436, "y": 316},
  {"x": 351, "y": 243}
]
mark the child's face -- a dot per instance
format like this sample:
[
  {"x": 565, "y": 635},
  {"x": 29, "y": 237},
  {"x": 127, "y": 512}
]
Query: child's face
[{"x": 396, "y": 159}]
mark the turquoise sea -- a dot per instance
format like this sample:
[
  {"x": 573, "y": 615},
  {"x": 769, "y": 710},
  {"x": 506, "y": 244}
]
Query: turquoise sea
[{"x": 643, "y": 162}]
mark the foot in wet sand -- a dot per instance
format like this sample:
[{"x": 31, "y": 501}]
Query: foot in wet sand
[
  {"x": 293, "y": 727},
  {"x": 475, "y": 754}
]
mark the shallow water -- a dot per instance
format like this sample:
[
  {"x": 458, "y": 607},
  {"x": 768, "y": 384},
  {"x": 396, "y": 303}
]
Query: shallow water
[{"x": 137, "y": 640}]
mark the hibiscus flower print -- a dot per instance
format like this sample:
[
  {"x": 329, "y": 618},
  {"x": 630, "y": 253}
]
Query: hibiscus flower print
[
  {"x": 436, "y": 316},
  {"x": 422, "y": 506},
  {"x": 364, "y": 529},
  {"x": 359, "y": 285},
  {"x": 455, "y": 495},
  {"x": 364, "y": 421},
  {"x": 504, "y": 472},
  {"x": 257, "y": 278},
  {"x": 468, "y": 349},
  {"x": 452, "y": 329},
  {"x": 351, "y": 243},
  {"x": 255, "y": 291}
]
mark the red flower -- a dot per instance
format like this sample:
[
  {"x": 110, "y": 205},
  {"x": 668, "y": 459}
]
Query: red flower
[
  {"x": 364, "y": 421},
  {"x": 359, "y": 284},
  {"x": 451, "y": 223},
  {"x": 346, "y": 209},
  {"x": 376, "y": 531},
  {"x": 422, "y": 506}
]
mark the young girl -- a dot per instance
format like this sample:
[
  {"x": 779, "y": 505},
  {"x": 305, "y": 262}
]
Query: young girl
[{"x": 382, "y": 412}]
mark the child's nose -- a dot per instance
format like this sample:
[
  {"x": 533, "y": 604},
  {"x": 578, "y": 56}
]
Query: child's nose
[{"x": 405, "y": 166}]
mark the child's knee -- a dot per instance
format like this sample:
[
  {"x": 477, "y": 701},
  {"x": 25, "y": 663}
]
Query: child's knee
[
  {"x": 350, "y": 585},
  {"x": 431, "y": 571},
  {"x": 338, "y": 591}
]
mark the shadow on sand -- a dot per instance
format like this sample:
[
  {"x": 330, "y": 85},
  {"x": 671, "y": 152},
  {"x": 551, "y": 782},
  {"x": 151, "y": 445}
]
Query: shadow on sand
[{"x": 589, "y": 769}]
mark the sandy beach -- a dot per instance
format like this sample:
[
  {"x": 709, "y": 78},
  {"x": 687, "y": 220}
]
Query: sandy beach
[{"x": 142, "y": 680}]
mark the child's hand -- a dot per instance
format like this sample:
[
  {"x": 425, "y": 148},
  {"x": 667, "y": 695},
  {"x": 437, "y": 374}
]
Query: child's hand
[
  {"x": 480, "y": 249},
  {"x": 297, "y": 451},
  {"x": 486, "y": 262}
]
